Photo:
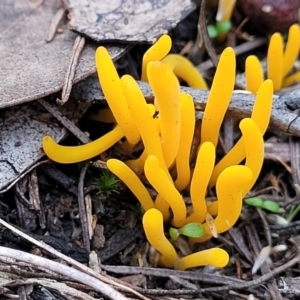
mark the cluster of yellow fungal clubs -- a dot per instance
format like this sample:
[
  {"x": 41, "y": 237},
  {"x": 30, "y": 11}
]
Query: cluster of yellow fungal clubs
[
  {"x": 280, "y": 62},
  {"x": 166, "y": 129}
]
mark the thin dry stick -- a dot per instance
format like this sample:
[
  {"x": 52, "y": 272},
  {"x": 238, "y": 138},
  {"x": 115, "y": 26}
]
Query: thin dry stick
[
  {"x": 235, "y": 286},
  {"x": 64, "y": 270},
  {"x": 54, "y": 24},
  {"x": 265, "y": 267},
  {"x": 294, "y": 146},
  {"x": 82, "y": 210},
  {"x": 77, "y": 48},
  {"x": 265, "y": 226},
  {"x": 240, "y": 49},
  {"x": 62, "y": 119},
  {"x": 23, "y": 175},
  {"x": 207, "y": 42},
  {"x": 71, "y": 261},
  {"x": 189, "y": 275},
  {"x": 63, "y": 288}
]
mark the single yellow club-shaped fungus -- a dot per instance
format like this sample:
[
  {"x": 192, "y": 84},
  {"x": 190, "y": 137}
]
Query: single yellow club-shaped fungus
[
  {"x": 275, "y": 60},
  {"x": 215, "y": 257},
  {"x": 166, "y": 189},
  {"x": 112, "y": 89},
  {"x": 219, "y": 97},
  {"x": 203, "y": 169},
  {"x": 166, "y": 90},
  {"x": 290, "y": 55},
  {"x": 254, "y": 145},
  {"x": 74, "y": 154},
  {"x": 156, "y": 52},
  {"x": 292, "y": 47},
  {"x": 254, "y": 74},
  {"x": 184, "y": 69},
  {"x": 186, "y": 138},
  {"x": 154, "y": 229},
  {"x": 122, "y": 171},
  {"x": 143, "y": 120},
  {"x": 225, "y": 9}
]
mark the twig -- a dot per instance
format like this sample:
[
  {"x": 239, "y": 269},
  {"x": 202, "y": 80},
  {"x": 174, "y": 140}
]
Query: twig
[
  {"x": 240, "y": 243},
  {"x": 294, "y": 146},
  {"x": 77, "y": 48},
  {"x": 64, "y": 270},
  {"x": 265, "y": 226},
  {"x": 54, "y": 24},
  {"x": 266, "y": 266},
  {"x": 23, "y": 175},
  {"x": 62, "y": 119},
  {"x": 240, "y": 106},
  {"x": 82, "y": 208},
  {"x": 63, "y": 288},
  {"x": 71, "y": 261},
  {"x": 240, "y": 49},
  {"x": 235, "y": 286},
  {"x": 207, "y": 42},
  {"x": 209, "y": 278}
]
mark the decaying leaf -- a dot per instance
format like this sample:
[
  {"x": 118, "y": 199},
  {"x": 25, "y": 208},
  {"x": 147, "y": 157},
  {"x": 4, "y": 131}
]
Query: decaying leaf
[
  {"x": 126, "y": 20},
  {"x": 22, "y": 129},
  {"x": 31, "y": 68}
]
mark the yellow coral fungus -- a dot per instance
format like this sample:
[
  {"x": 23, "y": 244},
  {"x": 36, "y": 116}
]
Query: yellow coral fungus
[
  {"x": 122, "y": 171},
  {"x": 112, "y": 89},
  {"x": 166, "y": 90},
  {"x": 290, "y": 80},
  {"x": 184, "y": 69},
  {"x": 154, "y": 230},
  {"x": 254, "y": 74},
  {"x": 142, "y": 119},
  {"x": 275, "y": 60},
  {"x": 230, "y": 186},
  {"x": 201, "y": 175},
  {"x": 186, "y": 137},
  {"x": 260, "y": 115},
  {"x": 213, "y": 257},
  {"x": 225, "y": 9},
  {"x": 291, "y": 51},
  {"x": 279, "y": 62},
  {"x": 165, "y": 188},
  {"x": 219, "y": 97},
  {"x": 254, "y": 145},
  {"x": 74, "y": 154},
  {"x": 156, "y": 52},
  {"x": 224, "y": 13},
  {"x": 165, "y": 147}
]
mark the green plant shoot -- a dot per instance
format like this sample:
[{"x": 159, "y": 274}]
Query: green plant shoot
[
  {"x": 108, "y": 183},
  {"x": 194, "y": 230},
  {"x": 221, "y": 27},
  {"x": 269, "y": 205}
]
